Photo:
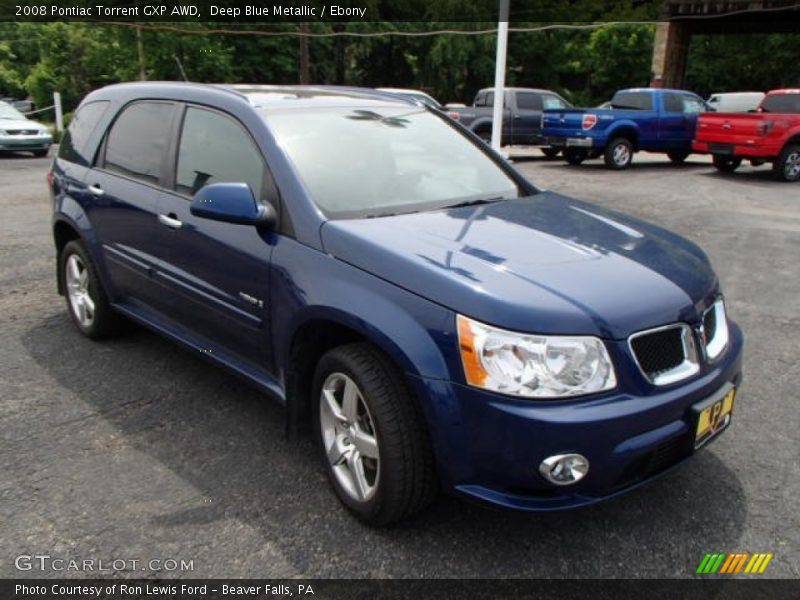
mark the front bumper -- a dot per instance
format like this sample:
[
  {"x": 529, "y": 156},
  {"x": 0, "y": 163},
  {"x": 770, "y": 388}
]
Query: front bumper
[
  {"x": 489, "y": 446},
  {"x": 25, "y": 142}
]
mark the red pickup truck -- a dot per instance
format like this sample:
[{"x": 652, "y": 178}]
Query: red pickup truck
[{"x": 771, "y": 134}]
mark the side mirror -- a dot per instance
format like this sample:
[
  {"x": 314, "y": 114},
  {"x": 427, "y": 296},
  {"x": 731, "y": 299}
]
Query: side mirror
[{"x": 231, "y": 203}]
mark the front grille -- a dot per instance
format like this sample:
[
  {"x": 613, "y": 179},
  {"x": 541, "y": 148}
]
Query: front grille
[
  {"x": 659, "y": 351},
  {"x": 21, "y": 132},
  {"x": 665, "y": 354}
]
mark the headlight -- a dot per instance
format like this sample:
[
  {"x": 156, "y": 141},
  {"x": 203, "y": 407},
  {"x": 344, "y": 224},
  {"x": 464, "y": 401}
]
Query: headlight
[
  {"x": 715, "y": 329},
  {"x": 533, "y": 366}
]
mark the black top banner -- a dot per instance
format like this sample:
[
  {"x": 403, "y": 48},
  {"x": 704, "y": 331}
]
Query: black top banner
[{"x": 344, "y": 11}]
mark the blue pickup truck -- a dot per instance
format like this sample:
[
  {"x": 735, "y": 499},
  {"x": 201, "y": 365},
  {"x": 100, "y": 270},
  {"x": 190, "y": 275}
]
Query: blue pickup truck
[{"x": 651, "y": 119}]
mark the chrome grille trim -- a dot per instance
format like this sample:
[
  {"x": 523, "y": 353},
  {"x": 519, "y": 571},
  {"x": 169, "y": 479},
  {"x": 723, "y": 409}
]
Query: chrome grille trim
[{"x": 690, "y": 365}]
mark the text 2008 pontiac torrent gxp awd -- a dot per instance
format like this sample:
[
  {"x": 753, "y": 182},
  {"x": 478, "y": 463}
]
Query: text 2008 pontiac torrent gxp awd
[{"x": 438, "y": 320}]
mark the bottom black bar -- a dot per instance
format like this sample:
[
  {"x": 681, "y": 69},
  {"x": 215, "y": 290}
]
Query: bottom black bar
[{"x": 400, "y": 589}]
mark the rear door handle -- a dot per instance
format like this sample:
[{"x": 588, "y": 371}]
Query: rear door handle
[
  {"x": 170, "y": 221},
  {"x": 95, "y": 190}
]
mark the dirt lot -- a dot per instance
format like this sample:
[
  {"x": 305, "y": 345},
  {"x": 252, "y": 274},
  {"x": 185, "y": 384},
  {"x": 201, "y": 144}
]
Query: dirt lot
[{"x": 136, "y": 450}]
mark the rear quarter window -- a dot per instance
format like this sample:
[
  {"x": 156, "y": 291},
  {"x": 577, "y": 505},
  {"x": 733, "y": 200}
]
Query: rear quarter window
[{"x": 73, "y": 146}]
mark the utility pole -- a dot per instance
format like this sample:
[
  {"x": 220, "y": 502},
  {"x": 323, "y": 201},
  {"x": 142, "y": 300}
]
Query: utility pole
[
  {"x": 305, "y": 75},
  {"x": 500, "y": 75},
  {"x": 140, "y": 48}
]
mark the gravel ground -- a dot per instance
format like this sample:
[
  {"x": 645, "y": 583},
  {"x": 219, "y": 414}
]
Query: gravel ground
[{"x": 136, "y": 450}]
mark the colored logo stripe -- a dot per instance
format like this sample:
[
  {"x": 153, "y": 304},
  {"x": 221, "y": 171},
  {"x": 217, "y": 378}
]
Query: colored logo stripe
[{"x": 731, "y": 564}]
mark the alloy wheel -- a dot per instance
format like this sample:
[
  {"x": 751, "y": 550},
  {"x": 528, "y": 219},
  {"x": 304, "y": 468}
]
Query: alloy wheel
[
  {"x": 349, "y": 437},
  {"x": 80, "y": 299}
]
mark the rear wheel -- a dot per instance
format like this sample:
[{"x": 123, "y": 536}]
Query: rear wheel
[
  {"x": 551, "y": 153},
  {"x": 678, "y": 157},
  {"x": 726, "y": 164},
  {"x": 87, "y": 302},
  {"x": 787, "y": 166},
  {"x": 619, "y": 154},
  {"x": 575, "y": 156},
  {"x": 372, "y": 436}
]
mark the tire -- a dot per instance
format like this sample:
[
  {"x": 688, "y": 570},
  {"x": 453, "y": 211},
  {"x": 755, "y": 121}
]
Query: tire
[
  {"x": 726, "y": 164},
  {"x": 678, "y": 157},
  {"x": 618, "y": 154},
  {"x": 575, "y": 156},
  {"x": 485, "y": 135},
  {"x": 551, "y": 153},
  {"x": 400, "y": 480},
  {"x": 787, "y": 166},
  {"x": 87, "y": 302},
  {"x": 41, "y": 153}
]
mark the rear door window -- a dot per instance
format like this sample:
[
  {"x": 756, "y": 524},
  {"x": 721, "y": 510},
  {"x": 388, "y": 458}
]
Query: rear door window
[
  {"x": 781, "y": 103},
  {"x": 553, "y": 101},
  {"x": 633, "y": 100},
  {"x": 529, "y": 100},
  {"x": 73, "y": 147},
  {"x": 138, "y": 140},
  {"x": 215, "y": 148}
]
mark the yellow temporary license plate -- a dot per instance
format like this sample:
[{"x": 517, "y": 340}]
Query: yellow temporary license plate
[{"x": 714, "y": 418}]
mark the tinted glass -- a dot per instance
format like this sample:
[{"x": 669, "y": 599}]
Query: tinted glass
[
  {"x": 553, "y": 101},
  {"x": 633, "y": 100},
  {"x": 781, "y": 103},
  {"x": 73, "y": 145},
  {"x": 138, "y": 139},
  {"x": 377, "y": 161},
  {"x": 529, "y": 100},
  {"x": 215, "y": 148},
  {"x": 673, "y": 103}
]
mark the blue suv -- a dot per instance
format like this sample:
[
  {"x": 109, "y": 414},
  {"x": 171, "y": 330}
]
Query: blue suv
[{"x": 437, "y": 320}]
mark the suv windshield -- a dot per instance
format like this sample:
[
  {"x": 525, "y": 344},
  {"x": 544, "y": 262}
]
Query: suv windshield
[
  {"x": 9, "y": 112},
  {"x": 378, "y": 161}
]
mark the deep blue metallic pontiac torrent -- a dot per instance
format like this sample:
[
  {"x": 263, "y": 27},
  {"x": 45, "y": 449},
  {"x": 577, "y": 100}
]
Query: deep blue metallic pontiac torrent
[{"x": 437, "y": 320}]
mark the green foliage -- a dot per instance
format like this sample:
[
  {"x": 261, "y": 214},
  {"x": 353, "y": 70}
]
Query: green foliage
[{"x": 586, "y": 65}]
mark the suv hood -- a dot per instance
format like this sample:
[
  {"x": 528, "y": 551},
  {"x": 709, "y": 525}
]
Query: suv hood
[{"x": 544, "y": 264}]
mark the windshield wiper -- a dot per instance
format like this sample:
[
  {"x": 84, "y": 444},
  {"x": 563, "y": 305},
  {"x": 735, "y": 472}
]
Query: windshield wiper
[{"x": 477, "y": 202}]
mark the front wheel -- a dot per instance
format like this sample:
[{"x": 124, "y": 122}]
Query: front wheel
[
  {"x": 787, "y": 166},
  {"x": 619, "y": 154},
  {"x": 551, "y": 152},
  {"x": 575, "y": 156},
  {"x": 87, "y": 303},
  {"x": 41, "y": 153},
  {"x": 678, "y": 158},
  {"x": 372, "y": 436},
  {"x": 726, "y": 164}
]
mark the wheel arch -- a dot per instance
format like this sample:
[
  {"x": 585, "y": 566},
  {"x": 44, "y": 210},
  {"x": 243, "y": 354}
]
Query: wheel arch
[
  {"x": 323, "y": 328},
  {"x": 627, "y": 131},
  {"x": 63, "y": 233}
]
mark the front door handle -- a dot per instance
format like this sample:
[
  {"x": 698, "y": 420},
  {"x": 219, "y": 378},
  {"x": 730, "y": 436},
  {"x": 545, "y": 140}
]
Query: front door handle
[
  {"x": 95, "y": 190},
  {"x": 170, "y": 221}
]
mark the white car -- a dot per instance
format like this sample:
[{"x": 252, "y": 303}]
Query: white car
[
  {"x": 735, "y": 102},
  {"x": 18, "y": 133}
]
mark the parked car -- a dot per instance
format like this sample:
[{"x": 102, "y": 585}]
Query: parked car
[
  {"x": 417, "y": 95},
  {"x": 772, "y": 134},
  {"x": 17, "y": 132},
  {"x": 651, "y": 119},
  {"x": 735, "y": 102},
  {"x": 441, "y": 322},
  {"x": 522, "y": 115}
]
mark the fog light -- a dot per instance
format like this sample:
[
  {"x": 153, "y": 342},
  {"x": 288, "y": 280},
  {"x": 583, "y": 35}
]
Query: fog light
[{"x": 564, "y": 469}]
